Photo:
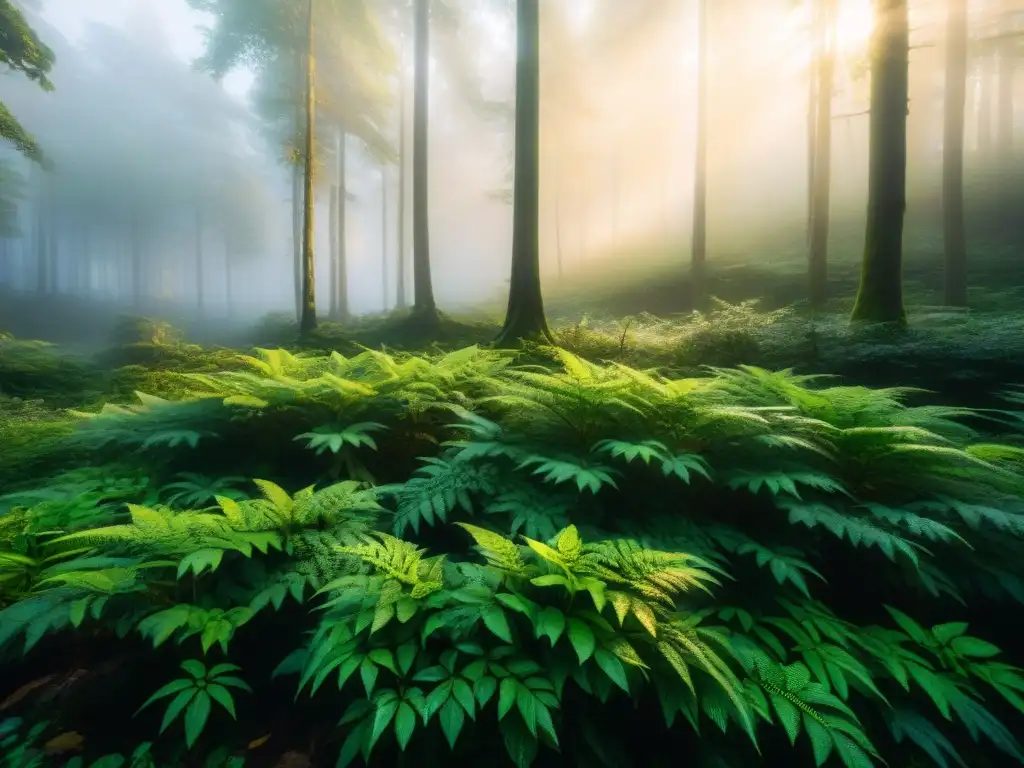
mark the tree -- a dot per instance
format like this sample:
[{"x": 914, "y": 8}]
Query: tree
[
  {"x": 422, "y": 284},
  {"x": 880, "y": 296},
  {"x": 524, "y": 317},
  {"x": 22, "y": 51},
  {"x": 307, "y": 317},
  {"x": 953, "y": 229},
  {"x": 698, "y": 251},
  {"x": 822, "y": 75}
]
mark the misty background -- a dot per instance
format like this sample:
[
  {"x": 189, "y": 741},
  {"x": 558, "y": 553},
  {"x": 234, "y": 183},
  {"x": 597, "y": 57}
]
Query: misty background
[{"x": 157, "y": 164}]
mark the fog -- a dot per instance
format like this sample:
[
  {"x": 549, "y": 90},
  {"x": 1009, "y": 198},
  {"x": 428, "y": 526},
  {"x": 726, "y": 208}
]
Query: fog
[{"x": 170, "y": 189}]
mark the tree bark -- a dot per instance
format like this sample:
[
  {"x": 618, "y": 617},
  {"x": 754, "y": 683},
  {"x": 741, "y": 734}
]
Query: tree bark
[
  {"x": 423, "y": 289},
  {"x": 880, "y": 297},
  {"x": 820, "y": 213},
  {"x": 524, "y": 318},
  {"x": 297, "y": 237},
  {"x": 698, "y": 248},
  {"x": 953, "y": 228},
  {"x": 307, "y": 317}
]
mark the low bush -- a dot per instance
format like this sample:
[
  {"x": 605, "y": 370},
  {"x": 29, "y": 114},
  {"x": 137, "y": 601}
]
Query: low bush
[{"x": 589, "y": 564}]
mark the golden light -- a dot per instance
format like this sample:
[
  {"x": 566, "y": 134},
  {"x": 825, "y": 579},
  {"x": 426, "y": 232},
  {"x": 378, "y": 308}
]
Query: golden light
[{"x": 854, "y": 25}]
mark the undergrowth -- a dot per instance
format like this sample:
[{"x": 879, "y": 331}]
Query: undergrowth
[{"x": 374, "y": 556}]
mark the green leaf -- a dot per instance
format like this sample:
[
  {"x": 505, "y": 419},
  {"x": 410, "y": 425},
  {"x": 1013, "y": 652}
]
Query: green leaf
[
  {"x": 974, "y": 647},
  {"x": 405, "y": 724},
  {"x": 496, "y": 621},
  {"x": 178, "y": 703},
  {"x": 222, "y": 696},
  {"x": 550, "y": 623},
  {"x": 611, "y": 666},
  {"x": 382, "y": 715},
  {"x": 582, "y": 639},
  {"x": 507, "y": 695},
  {"x": 452, "y": 718},
  {"x": 195, "y": 717}
]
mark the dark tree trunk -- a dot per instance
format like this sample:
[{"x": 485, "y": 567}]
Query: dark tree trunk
[
  {"x": 698, "y": 250},
  {"x": 401, "y": 269},
  {"x": 880, "y": 297},
  {"x": 524, "y": 318},
  {"x": 340, "y": 286},
  {"x": 423, "y": 289},
  {"x": 820, "y": 214},
  {"x": 200, "y": 286},
  {"x": 307, "y": 319},
  {"x": 954, "y": 234},
  {"x": 297, "y": 236}
]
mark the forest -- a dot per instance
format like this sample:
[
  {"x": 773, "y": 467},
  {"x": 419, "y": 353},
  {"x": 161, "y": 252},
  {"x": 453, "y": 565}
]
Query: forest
[{"x": 545, "y": 383}]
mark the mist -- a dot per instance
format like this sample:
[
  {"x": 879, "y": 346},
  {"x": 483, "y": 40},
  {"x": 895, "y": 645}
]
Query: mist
[{"x": 170, "y": 192}]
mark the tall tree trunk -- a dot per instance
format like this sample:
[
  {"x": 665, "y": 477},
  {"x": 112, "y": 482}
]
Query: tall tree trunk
[
  {"x": 307, "y": 319},
  {"x": 423, "y": 289},
  {"x": 954, "y": 234},
  {"x": 384, "y": 235},
  {"x": 332, "y": 273},
  {"x": 558, "y": 236},
  {"x": 229, "y": 253},
  {"x": 401, "y": 269},
  {"x": 53, "y": 249},
  {"x": 698, "y": 252},
  {"x": 200, "y": 286},
  {"x": 825, "y": 27},
  {"x": 880, "y": 297},
  {"x": 340, "y": 287},
  {"x": 297, "y": 236},
  {"x": 524, "y": 318}
]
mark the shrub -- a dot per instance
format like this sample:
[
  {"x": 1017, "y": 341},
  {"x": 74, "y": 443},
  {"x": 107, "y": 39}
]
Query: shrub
[{"x": 579, "y": 559}]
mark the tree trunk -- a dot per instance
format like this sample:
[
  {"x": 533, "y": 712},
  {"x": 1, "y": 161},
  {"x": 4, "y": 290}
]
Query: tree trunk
[
  {"x": 954, "y": 235},
  {"x": 340, "y": 287},
  {"x": 53, "y": 249},
  {"x": 401, "y": 268},
  {"x": 297, "y": 236},
  {"x": 136, "y": 256},
  {"x": 423, "y": 289},
  {"x": 524, "y": 318},
  {"x": 384, "y": 235},
  {"x": 880, "y": 297},
  {"x": 984, "y": 114},
  {"x": 200, "y": 299},
  {"x": 228, "y": 261},
  {"x": 698, "y": 252},
  {"x": 332, "y": 273},
  {"x": 825, "y": 24},
  {"x": 307, "y": 319}
]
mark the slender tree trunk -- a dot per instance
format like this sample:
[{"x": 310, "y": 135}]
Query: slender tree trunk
[
  {"x": 340, "y": 287},
  {"x": 880, "y": 297},
  {"x": 307, "y": 320},
  {"x": 698, "y": 252},
  {"x": 954, "y": 234},
  {"x": 332, "y": 274},
  {"x": 423, "y": 289},
  {"x": 53, "y": 249},
  {"x": 558, "y": 236},
  {"x": 200, "y": 286},
  {"x": 524, "y": 318},
  {"x": 297, "y": 236},
  {"x": 384, "y": 235},
  {"x": 401, "y": 269},
  {"x": 822, "y": 166},
  {"x": 812, "y": 112},
  {"x": 136, "y": 256}
]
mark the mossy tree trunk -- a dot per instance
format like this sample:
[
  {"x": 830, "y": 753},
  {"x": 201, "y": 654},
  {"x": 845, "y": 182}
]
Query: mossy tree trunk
[
  {"x": 821, "y": 167},
  {"x": 524, "y": 318},
  {"x": 954, "y": 234},
  {"x": 698, "y": 249},
  {"x": 423, "y": 288},
  {"x": 307, "y": 317},
  {"x": 880, "y": 296}
]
